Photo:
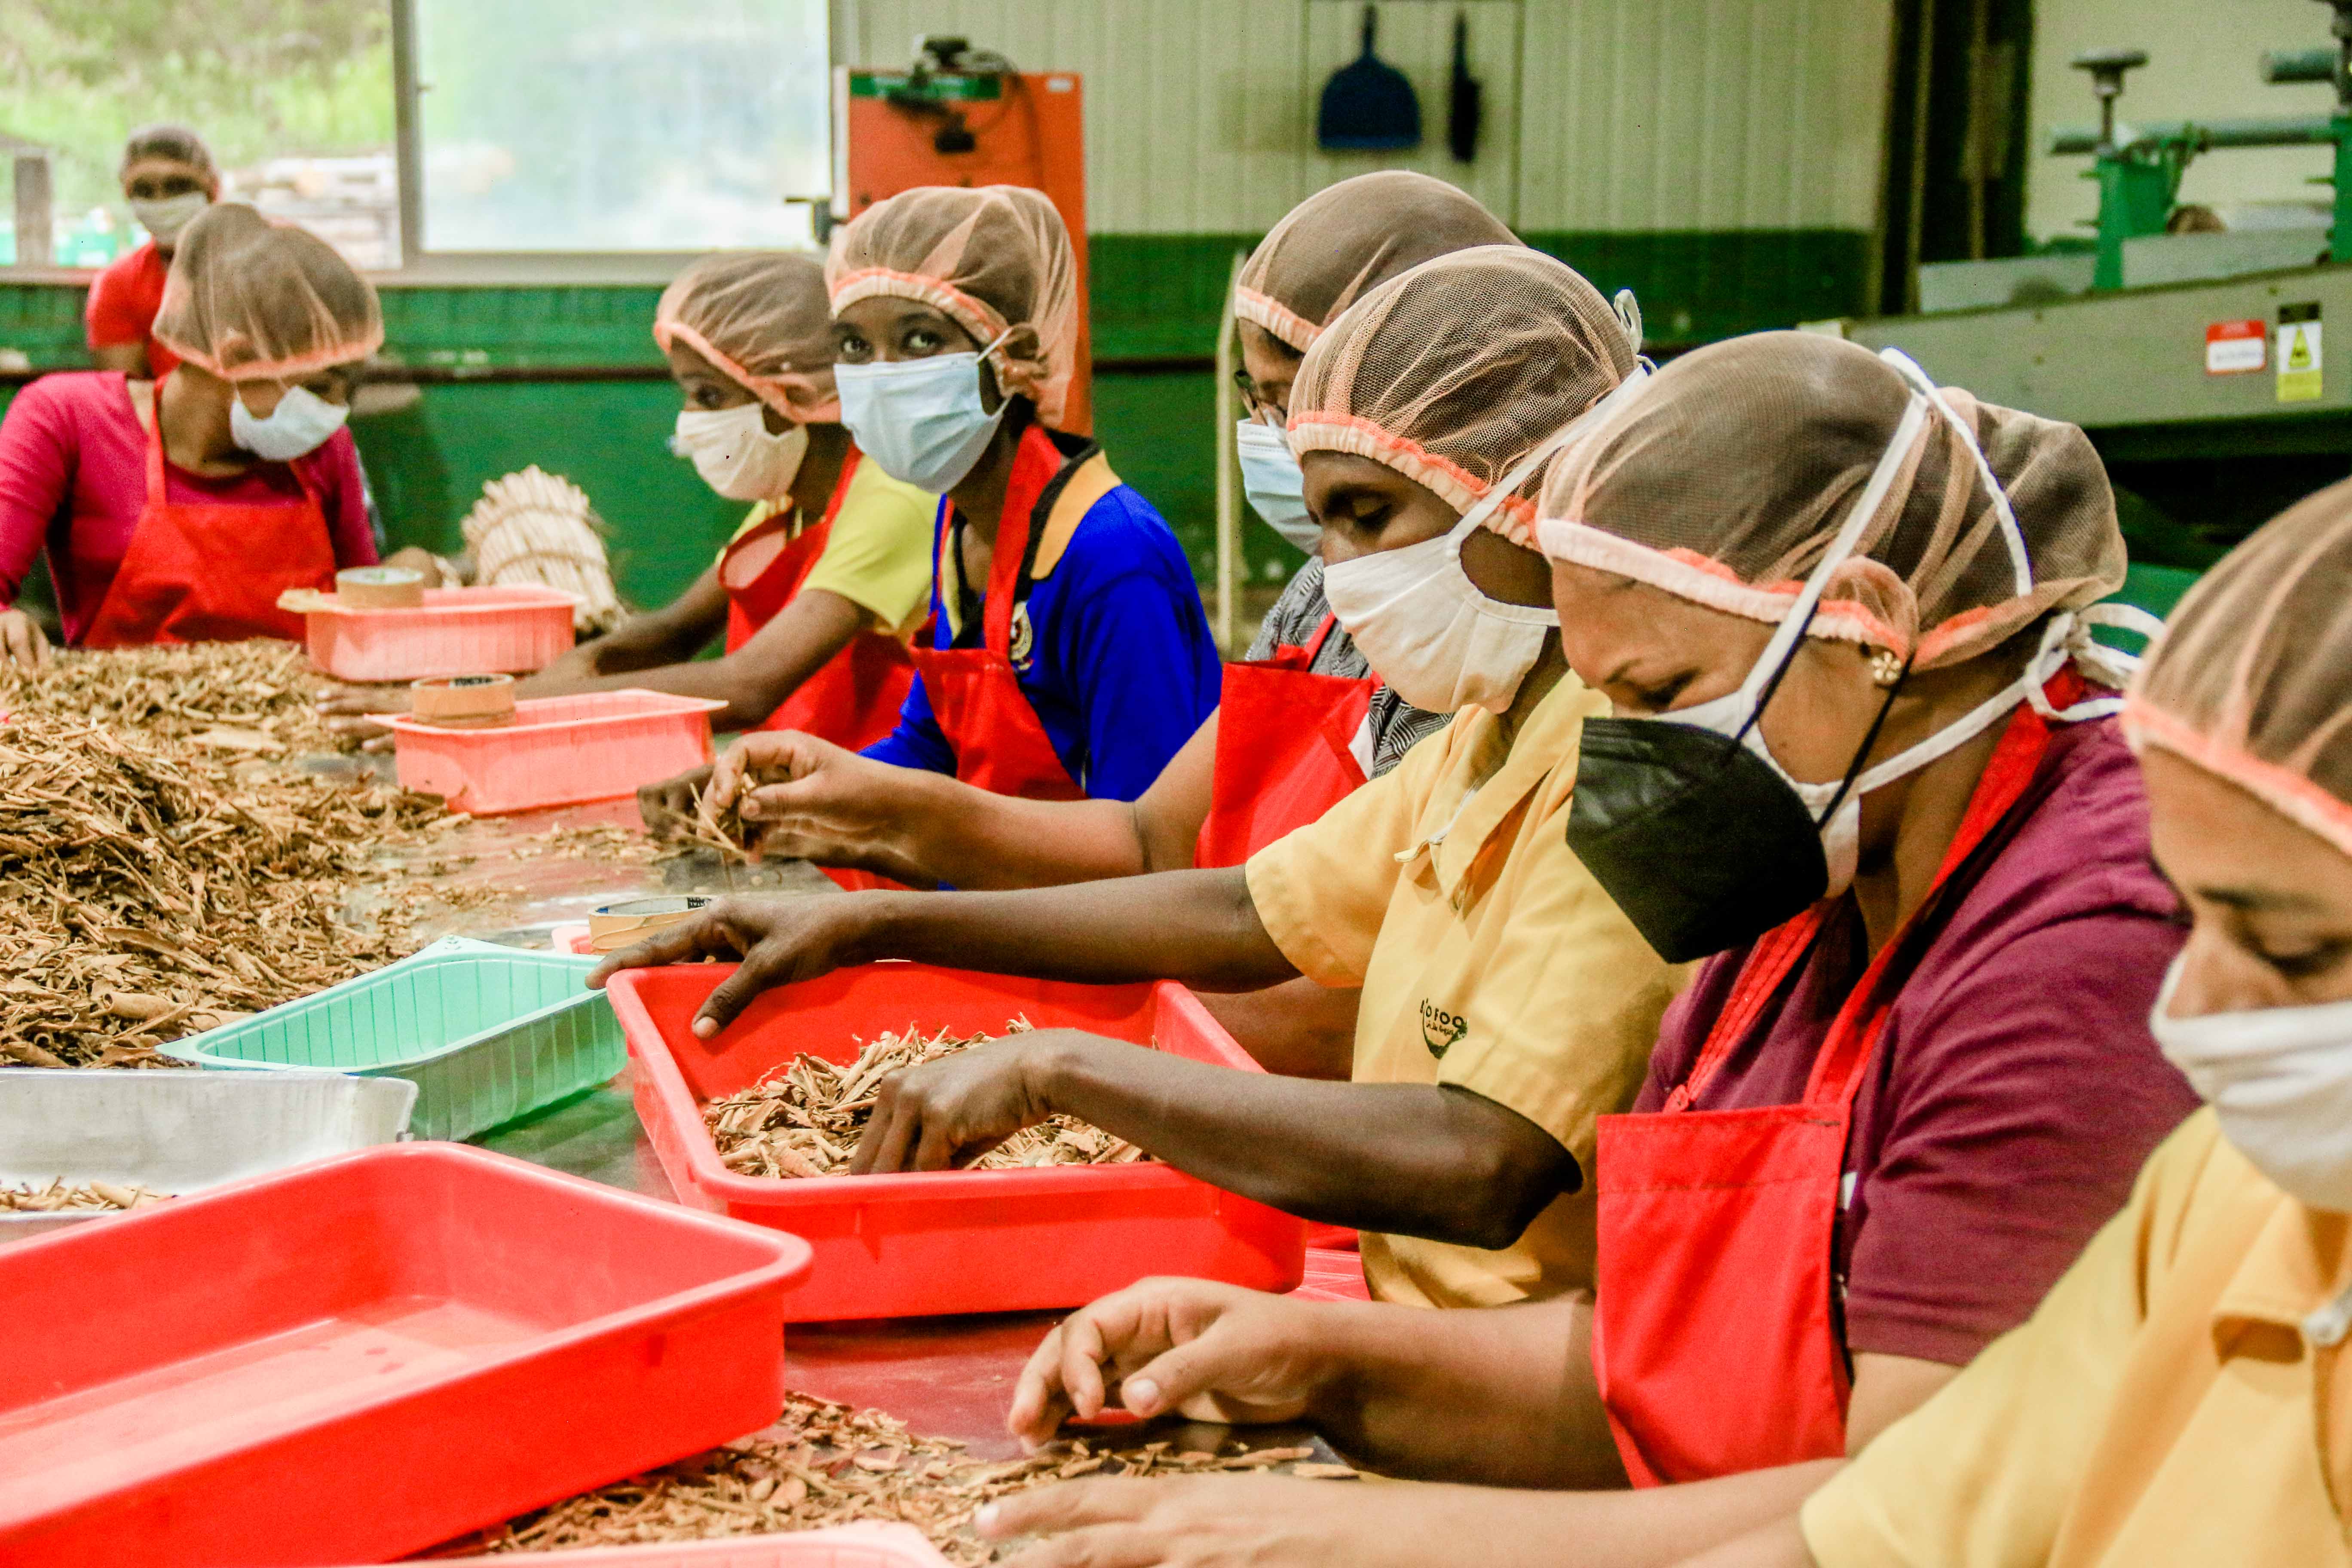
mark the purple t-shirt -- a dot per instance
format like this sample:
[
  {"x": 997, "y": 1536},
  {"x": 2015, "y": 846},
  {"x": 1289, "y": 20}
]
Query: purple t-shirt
[{"x": 2015, "y": 1091}]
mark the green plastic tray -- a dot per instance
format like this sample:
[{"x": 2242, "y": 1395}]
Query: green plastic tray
[{"x": 486, "y": 1034}]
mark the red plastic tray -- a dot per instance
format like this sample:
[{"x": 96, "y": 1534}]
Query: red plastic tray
[
  {"x": 460, "y": 631},
  {"x": 366, "y": 1355},
  {"x": 944, "y": 1241},
  {"x": 560, "y": 750}
]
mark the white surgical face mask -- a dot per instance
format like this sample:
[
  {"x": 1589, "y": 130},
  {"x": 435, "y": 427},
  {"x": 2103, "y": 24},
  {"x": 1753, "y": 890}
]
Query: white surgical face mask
[
  {"x": 736, "y": 455},
  {"x": 921, "y": 419},
  {"x": 2280, "y": 1082},
  {"x": 1836, "y": 804},
  {"x": 1425, "y": 627},
  {"x": 301, "y": 421},
  {"x": 165, "y": 216},
  {"x": 1276, "y": 490}
]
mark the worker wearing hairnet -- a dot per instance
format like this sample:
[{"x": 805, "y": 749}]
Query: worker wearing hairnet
[
  {"x": 178, "y": 511},
  {"x": 1300, "y": 722},
  {"x": 1069, "y": 657},
  {"x": 1506, "y": 1003},
  {"x": 168, "y": 177},
  {"x": 830, "y": 574},
  {"x": 1913, "y": 1081},
  {"x": 2179, "y": 1398}
]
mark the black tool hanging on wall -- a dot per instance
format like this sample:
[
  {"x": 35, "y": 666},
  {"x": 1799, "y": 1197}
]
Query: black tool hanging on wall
[
  {"x": 1464, "y": 98},
  {"x": 1368, "y": 105}
]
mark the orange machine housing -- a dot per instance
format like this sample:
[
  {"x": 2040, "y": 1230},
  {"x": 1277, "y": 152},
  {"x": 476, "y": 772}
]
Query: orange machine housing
[{"x": 1022, "y": 129}]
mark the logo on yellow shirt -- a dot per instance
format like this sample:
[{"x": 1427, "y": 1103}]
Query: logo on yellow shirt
[{"x": 1441, "y": 1031}]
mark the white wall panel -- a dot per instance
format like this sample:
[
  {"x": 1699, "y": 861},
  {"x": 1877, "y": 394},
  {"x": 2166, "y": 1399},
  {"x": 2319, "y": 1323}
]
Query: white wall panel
[{"x": 1620, "y": 114}]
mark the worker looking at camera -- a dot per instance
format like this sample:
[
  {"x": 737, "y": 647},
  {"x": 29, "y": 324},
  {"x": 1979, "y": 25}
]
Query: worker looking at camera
[
  {"x": 829, "y": 575},
  {"x": 168, "y": 177},
  {"x": 1506, "y": 1003},
  {"x": 180, "y": 511},
  {"x": 1070, "y": 657}
]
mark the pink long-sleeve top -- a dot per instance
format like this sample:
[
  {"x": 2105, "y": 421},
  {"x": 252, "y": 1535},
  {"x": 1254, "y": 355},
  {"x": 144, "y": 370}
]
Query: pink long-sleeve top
[{"x": 73, "y": 477}]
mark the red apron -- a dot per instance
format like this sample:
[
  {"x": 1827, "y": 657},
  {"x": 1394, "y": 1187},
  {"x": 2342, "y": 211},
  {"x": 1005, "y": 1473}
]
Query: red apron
[
  {"x": 853, "y": 698},
  {"x": 212, "y": 570},
  {"x": 999, "y": 745},
  {"x": 1716, "y": 1341},
  {"x": 1284, "y": 756}
]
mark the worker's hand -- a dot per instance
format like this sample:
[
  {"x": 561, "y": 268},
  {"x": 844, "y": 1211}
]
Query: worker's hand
[
  {"x": 781, "y": 940},
  {"x": 798, "y": 796},
  {"x": 346, "y": 710},
  {"x": 950, "y": 1112},
  {"x": 668, "y": 804},
  {"x": 1247, "y": 1521},
  {"x": 581, "y": 661},
  {"x": 1207, "y": 1351},
  {"x": 22, "y": 642}
]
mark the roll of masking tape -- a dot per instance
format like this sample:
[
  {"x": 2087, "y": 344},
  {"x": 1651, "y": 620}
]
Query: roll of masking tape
[
  {"x": 380, "y": 588},
  {"x": 463, "y": 701},
  {"x": 615, "y": 926}
]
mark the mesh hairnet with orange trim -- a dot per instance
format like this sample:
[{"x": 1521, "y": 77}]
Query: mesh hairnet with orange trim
[
  {"x": 1345, "y": 238},
  {"x": 249, "y": 299},
  {"x": 1455, "y": 370},
  {"x": 169, "y": 143},
  {"x": 1725, "y": 480},
  {"x": 990, "y": 258},
  {"x": 2252, "y": 678},
  {"x": 762, "y": 318}
]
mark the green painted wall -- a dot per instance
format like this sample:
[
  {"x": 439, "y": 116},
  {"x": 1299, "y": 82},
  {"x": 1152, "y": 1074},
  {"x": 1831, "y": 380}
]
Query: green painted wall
[{"x": 1155, "y": 298}]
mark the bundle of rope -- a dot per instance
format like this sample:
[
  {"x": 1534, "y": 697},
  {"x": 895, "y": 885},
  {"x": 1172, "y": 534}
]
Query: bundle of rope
[{"x": 536, "y": 527}]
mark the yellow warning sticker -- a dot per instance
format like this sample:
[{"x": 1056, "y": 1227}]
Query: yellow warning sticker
[{"x": 2299, "y": 372}]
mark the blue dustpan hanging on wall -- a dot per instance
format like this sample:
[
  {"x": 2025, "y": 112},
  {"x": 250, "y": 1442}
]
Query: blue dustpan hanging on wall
[{"x": 1368, "y": 105}]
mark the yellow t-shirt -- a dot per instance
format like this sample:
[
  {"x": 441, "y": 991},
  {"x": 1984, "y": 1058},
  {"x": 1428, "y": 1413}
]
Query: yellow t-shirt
[
  {"x": 878, "y": 555},
  {"x": 1489, "y": 959},
  {"x": 2181, "y": 1397}
]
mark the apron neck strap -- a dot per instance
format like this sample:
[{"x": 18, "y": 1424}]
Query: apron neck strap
[
  {"x": 1036, "y": 462},
  {"x": 1846, "y": 1053},
  {"x": 1837, "y": 1068}
]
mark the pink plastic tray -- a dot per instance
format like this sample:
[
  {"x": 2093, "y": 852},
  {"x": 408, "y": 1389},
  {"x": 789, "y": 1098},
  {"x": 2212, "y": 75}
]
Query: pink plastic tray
[
  {"x": 944, "y": 1241},
  {"x": 460, "y": 631},
  {"x": 367, "y": 1355},
  {"x": 560, "y": 750}
]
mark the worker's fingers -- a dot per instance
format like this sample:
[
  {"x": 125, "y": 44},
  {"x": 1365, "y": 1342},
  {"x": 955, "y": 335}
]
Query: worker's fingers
[
  {"x": 1073, "y": 1506},
  {"x": 1041, "y": 1397},
  {"x": 935, "y": 1150},
  {"x": 894, "y": 1125},
  {"x": 761, "y": 755},
  {"x": 671, "y": 944},
  {"x": 1100, "y": 1546},
  {"x": 780, "y": 803},
  {"x": 770, "y": 962},
  {"x": 1083, "y": 1354},
  {"x": 27, "y": 645}
]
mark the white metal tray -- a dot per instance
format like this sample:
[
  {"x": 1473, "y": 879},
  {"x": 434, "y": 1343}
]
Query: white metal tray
[{"x": 180, "y": 1133}]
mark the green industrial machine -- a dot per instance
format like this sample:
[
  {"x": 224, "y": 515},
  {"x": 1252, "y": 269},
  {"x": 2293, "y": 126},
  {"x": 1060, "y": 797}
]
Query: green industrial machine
[{"x": 2139, "y": 167}]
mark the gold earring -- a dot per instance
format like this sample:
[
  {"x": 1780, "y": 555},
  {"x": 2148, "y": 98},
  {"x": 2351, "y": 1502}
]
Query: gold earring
[{"x": 1887, "y": 666}]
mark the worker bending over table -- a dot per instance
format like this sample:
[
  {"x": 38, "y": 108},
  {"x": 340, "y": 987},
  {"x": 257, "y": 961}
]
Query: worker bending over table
[
  {"x": 168, "y": 177},
  {"x": 178, "y": 510},
  {"x": 1866, "y": 751},
  {"x": 830, "y": 573},
  {"x": 2179, "y": 1397},
  {"x": 1506, "y": 1002},
  {"x": 1296, "y": 722}
]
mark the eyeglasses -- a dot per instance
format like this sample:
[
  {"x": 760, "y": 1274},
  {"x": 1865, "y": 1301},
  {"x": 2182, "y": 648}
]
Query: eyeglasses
[{"x": 1253, "y": 405}]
